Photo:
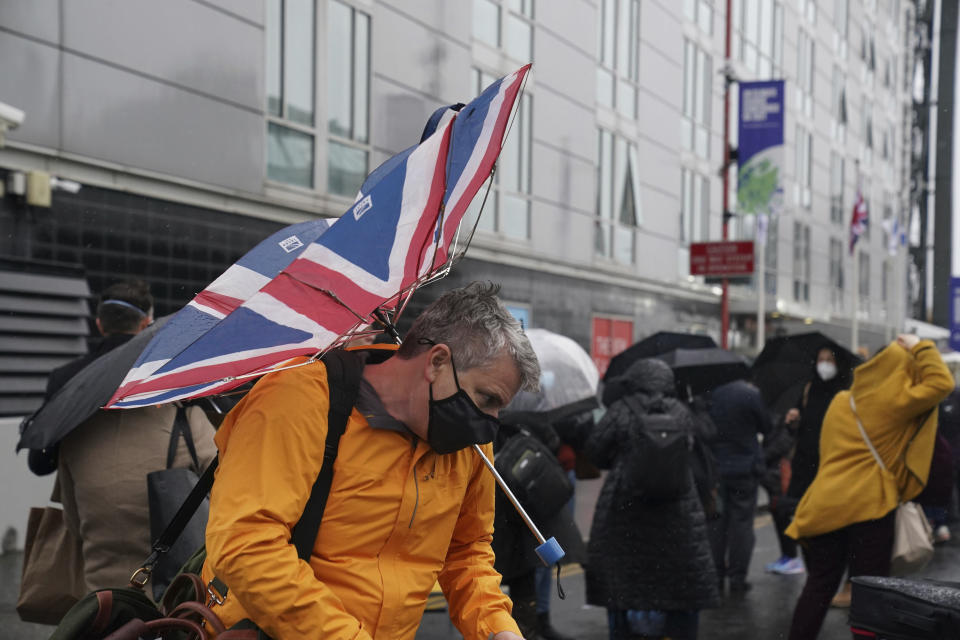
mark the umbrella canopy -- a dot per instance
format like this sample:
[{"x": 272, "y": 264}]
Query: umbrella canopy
[
  {"x": 567, "y": 374},
  {"x": 787, "y": 360},
  {"x": 83, "y": 394},
  {"x": 652, "y": 346},
  {"x": 704, "y": 369},
  {"x": 397, "y": 235}
]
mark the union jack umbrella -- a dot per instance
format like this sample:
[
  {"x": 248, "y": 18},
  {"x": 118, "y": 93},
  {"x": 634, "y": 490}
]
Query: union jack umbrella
[{"x": 399, "y": 234}]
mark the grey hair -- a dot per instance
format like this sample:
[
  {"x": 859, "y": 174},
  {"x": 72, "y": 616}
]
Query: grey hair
[{"x": 477, "y": 328}]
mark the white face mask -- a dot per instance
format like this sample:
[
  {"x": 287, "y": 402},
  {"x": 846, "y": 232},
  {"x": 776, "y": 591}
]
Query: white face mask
[{"x": 826, "y": 370}]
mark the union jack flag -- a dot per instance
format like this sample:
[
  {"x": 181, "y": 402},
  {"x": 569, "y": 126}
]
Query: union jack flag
[
  {"x": 397, "y": 234},
  {"x": 859, "y": 221}
]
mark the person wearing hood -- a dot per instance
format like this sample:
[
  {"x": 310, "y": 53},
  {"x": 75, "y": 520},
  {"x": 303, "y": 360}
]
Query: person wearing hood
[
  {"x": 846, "y": 516},
  {"x": 828, "y": 378},
  {"x": 646, "y": 555}
]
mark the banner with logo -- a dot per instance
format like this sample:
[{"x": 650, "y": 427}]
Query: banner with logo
[{"x": 760, "y": 152}]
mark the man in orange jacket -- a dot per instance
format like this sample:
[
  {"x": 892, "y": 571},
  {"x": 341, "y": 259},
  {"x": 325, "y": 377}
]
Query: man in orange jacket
[{"x": 410, "y": 503}]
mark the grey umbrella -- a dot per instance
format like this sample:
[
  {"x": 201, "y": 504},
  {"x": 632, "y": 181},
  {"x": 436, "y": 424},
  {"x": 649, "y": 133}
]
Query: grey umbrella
[{"x": 83, "y": 394}]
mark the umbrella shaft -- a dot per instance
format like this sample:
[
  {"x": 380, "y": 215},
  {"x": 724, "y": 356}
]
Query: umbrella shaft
[{"x": 510, "y": 496}]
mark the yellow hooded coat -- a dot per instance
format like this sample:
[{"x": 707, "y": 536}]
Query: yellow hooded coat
[
  {"x": 896, "y": 395},
  {"x": 398, "y": 518}
]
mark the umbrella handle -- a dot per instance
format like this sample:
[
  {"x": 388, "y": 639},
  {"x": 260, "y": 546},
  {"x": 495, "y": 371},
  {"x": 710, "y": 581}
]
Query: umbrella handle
[{"x": 549, "y": 551}]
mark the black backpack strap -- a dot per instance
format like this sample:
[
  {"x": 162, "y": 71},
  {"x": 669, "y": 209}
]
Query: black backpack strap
[
  {"x": 181, "y": 427},
  {"x": 343, "y": 379}
]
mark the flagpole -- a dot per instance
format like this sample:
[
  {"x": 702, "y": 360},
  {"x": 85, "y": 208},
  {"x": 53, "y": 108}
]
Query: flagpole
[{"x": 855, "y": 288}]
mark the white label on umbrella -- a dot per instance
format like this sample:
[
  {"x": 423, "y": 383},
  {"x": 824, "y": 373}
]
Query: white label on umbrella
[
  {"x": 290, "y": 244},
  {"x": 362, "y": 207}
]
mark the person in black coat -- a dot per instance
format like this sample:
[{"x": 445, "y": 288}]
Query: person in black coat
[
  {"x": 739, "y": 414},
  {"x": 642, "y": 554}
]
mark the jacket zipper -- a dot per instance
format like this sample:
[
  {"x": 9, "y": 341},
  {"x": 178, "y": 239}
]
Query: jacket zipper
[{"x": 416, "y": 484}]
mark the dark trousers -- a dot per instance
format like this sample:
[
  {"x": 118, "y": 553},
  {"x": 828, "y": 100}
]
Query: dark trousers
[
  {"x": 731, "y": 535},
  {"x": 864, "y": 547}
]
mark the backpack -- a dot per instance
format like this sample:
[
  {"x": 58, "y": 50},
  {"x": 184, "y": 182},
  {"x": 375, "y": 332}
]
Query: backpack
[
  {"x": 534, "y": 475},
  {"x": 127, "y": 612},
  {"x": 660, "y": 460}
]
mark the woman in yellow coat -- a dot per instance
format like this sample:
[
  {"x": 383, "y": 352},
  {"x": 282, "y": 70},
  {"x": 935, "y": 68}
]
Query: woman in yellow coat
[{"x": 846, "y": 517}]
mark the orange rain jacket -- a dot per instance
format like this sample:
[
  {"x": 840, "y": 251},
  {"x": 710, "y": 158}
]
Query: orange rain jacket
[{"x": 398, "y": 518}]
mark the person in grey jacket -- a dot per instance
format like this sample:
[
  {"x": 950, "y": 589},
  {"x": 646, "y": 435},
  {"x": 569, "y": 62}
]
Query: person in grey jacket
[
  {"x": 739, "y": 414},
  {"x": 646, "y": 555}
]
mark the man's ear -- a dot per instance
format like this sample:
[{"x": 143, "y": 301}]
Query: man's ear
[
  {"x": 100, "y": 327},
  {"x": 437, "y": 358},
  {"x": 144, "y": 323}
]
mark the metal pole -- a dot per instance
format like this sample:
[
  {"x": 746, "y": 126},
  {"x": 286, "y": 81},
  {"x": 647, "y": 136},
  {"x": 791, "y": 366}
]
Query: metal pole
[
  {"x": 725, "y": 297},
  {"x": 761, "y": 243},
  {"x": 510, "y": 496}
]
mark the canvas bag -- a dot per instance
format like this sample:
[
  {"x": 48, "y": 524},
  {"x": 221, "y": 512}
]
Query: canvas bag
[
  {"x": 167, "y": 489},
  {"x": 913, "y": 536},
  {"x": 52, "y": 579}
]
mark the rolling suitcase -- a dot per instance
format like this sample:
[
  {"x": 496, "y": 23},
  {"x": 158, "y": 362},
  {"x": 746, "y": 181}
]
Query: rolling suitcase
[{"x": 899, "y": 609}]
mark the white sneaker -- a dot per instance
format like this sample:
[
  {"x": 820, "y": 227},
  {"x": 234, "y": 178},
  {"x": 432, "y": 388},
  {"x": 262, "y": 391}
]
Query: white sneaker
[
  {"x": 941, "y": 534},
  {"x": 791, "y": 567}
]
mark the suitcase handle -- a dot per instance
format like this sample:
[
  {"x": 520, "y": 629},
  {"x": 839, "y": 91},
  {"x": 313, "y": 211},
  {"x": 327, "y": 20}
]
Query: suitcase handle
[{"x": 925, "y": 623}]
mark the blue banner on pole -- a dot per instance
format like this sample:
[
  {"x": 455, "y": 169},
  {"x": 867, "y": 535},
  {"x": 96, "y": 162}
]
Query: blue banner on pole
[
  {"x": 955, "y": 313},
  {"x": 760, "y": 148}
]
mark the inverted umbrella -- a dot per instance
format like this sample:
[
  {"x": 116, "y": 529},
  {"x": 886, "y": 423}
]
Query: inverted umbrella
[
  {"x": 396, "y": 236},
  {"x": 567, "y": 374},
  {"x": 701, "y": 370},
  {"x": 654, "y": 345},
  {"x": 786, "y": 360}
]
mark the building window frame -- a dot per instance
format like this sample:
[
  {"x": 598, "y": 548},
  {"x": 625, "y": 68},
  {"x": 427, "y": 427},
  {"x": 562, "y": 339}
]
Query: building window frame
[
  {"x": 694, "y": 206},
  {"x": 618, "y": 56},
  {"x": 804, "y": 167},
  {"x": 801, "y": 262},
  {"x": 619, "y": 210},
  {"x": 837, "y": 181},
  {"x": 697, "y": 99}
]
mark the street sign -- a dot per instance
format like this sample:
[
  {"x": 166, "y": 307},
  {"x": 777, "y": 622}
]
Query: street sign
[
  {"x": 955, "y": 314},
  {"x": 729, "y": 259}
]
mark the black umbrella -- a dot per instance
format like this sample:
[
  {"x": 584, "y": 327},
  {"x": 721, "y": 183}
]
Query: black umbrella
[
  {"x": 704, "y": 369},
  {"x": 83, "y": 394},
  {"x": 654, "y": 345},
  {"x": 787, "y": 360}
]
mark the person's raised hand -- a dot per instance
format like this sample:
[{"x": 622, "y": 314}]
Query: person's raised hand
[
  {"x": 907, "y": 340},
  {"x": 792, "y": 416}
]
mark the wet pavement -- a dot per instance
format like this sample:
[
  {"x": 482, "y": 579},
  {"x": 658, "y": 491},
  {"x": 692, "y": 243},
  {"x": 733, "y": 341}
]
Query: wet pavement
[{"x": 764, "y": 612}]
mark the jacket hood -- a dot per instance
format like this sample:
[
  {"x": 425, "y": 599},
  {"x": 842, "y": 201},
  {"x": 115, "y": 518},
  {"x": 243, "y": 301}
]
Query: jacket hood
[
  {"x": 650, "y": 376},
  {"x": 893, "y": 367}
]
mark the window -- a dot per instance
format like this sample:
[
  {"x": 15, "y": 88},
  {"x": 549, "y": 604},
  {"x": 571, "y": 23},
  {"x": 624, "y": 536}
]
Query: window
[
  {"x": 836, "y": 187},
  {"x": 808, "y": 9},
  {"x": 618, "y": 197},
  {"x": 697, "y": 88},
  {"x": 758, "y": 35},
  {"x": 838, "y": 108},
  {"x": 348, "y": 98},
  {"x": 291, "y": 129},
  {"x": 864, "y": 277},
  {"x": 841, "y": 21},
  {"x": 506, "y": 25},
  {"x": 885, "y": 281},
  {"x": 836, "y": 274},
  {"x": 771, "y": 254},
  {"x": 804, "y": 168},
  {"x": 801, "y": 262},
  {"x": 694, "y": 207},
  {"x": 618, "y": 52},
  {"x": 805, "y": 73},
  {"x": 507, "y": 208},
  {"x": 700, "y": 12}
]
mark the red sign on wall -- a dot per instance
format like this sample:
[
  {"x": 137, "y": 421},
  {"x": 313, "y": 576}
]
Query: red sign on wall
[
  {"x": 610, "y": 337},
  {"x": 721, "y": 258}
]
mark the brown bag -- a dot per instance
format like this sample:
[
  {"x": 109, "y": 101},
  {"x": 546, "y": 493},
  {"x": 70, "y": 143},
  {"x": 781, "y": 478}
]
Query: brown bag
[{"x": 52, "y": 578}]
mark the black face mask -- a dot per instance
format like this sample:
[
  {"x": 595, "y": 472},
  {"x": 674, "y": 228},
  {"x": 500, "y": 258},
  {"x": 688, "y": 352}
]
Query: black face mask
[{"x": 456, "y": 422}]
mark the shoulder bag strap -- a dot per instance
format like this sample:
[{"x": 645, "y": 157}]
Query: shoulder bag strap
[
  {"x": 181, "y": 427},
  {"x": 863, "y": 433}
]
